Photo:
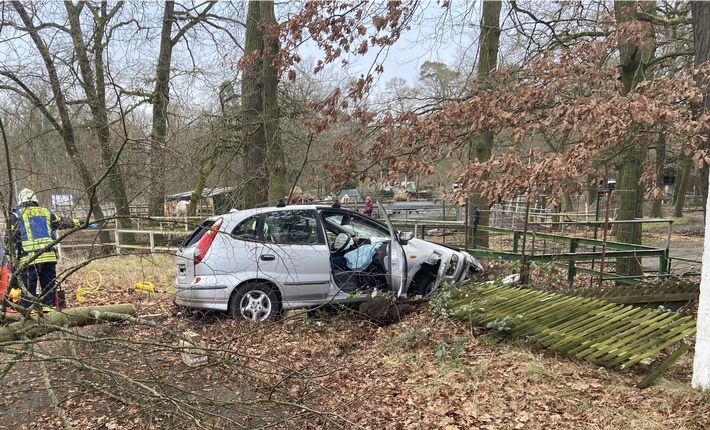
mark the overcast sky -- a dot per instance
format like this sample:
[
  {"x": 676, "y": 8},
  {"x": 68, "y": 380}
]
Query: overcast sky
[{"x": 435, "y": 35}]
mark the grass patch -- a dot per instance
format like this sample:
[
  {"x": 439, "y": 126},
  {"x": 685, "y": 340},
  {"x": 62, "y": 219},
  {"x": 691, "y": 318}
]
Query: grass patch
[{"x": 655, "y": 226}]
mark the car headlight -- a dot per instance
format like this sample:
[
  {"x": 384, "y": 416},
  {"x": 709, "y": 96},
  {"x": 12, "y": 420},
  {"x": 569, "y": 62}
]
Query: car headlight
[{"x": 453, "y": 264}]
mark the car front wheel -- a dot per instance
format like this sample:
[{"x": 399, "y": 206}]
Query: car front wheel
[
  {"x": 425, "y": 285},
  {"x": 254, "y": 302}
]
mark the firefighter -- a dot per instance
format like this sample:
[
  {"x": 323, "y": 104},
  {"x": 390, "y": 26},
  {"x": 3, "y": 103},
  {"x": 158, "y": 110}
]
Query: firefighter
[{"x": 34, "y": 237}]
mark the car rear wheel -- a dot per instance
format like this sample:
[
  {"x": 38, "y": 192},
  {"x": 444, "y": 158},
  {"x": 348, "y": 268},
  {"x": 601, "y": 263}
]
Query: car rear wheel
[{"x": 254, "y": 302}]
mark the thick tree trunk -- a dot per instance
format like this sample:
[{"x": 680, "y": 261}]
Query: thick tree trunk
[
  {"x": 701, "y": 36},
  {"x": 277, "y": 159},
  {"x": 701, "y": 366},
  {"x": 256, "y": 185},
  {"x": 633, "y": 60},
  {"x": 160, "y": 101},
  {"x": 488, "y": 60},
  {"x": 35, "y": 326}
]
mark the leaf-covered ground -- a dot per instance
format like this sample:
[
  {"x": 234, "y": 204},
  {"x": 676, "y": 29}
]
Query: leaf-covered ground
[
  {"x": 322, "y": 370},
  {"x": 339, "y": 371}
]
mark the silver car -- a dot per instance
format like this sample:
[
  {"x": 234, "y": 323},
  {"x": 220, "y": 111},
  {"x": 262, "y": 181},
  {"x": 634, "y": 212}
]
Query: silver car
[{"x": 257, "y": 263}]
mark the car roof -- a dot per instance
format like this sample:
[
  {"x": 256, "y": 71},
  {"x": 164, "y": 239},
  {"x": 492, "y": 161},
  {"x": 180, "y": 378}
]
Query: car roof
[{"x": 255, "y": 211}]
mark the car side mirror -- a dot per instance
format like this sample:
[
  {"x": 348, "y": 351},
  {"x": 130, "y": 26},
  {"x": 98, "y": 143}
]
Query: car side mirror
[{"x": 405, "y": 236}]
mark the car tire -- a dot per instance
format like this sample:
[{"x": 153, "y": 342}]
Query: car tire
[
  {"x": 255, "y": 302},
  {"x": 425, "y": 285}
]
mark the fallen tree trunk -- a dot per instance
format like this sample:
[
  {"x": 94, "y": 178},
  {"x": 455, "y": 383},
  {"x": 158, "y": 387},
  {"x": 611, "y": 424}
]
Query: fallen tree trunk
[{"x": 40, "y": 325}]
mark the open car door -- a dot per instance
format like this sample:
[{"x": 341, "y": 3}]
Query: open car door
[{"x": 396, "y": 258}]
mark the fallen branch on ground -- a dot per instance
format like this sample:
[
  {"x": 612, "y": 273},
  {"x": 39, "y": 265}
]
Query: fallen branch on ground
[{"x": 40, "y": 325}]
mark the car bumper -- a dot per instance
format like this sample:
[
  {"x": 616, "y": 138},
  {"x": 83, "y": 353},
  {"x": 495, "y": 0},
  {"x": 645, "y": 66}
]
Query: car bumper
[{"x": 202, "y": 296}]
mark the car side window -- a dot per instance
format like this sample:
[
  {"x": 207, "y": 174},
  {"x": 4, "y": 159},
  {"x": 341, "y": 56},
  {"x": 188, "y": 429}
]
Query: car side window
[
  {"x": 247, "y": 229},
  {"x": 291, "y": 227}
]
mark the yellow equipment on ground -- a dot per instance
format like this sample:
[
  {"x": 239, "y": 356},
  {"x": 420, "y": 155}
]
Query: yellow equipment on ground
[
  {"x": 81, "y": 292},
  {"x": 144, "y": 287}
]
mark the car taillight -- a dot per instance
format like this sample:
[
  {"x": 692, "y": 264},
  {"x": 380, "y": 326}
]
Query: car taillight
[{"x": 206, "y": 241}]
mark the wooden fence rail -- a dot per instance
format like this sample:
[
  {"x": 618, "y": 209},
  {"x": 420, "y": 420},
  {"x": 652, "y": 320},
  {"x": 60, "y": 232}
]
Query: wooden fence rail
[{"x": 595, "y": 330}]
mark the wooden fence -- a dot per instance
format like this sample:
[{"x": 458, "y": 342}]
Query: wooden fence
[{"x": 595, "y": 330}]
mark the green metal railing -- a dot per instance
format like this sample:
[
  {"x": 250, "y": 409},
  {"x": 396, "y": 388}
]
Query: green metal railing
[{"x": 580, "y": 255}]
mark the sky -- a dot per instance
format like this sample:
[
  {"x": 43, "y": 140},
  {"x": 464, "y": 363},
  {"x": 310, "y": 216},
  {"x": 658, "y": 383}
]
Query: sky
[{"x": 435, "y": 35}]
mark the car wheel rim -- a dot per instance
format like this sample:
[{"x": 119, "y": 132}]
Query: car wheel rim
[
  {"x": 430, "y": 287},
  {"x": 256, "y": 306}
]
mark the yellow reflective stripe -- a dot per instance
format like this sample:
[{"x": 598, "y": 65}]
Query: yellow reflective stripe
[
  {"x": 31, "y": 245},
  {"x": 45, "y": 257},
  {"x": 37, "y": 244}
]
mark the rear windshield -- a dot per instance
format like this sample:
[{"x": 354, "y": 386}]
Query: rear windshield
[{"x": 198, "y": 233}]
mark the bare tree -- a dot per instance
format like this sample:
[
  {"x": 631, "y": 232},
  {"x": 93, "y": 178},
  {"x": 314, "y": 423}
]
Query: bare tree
[
  {"x": 64, "y": 124},
  {"x": 161, "y": 99},
  {"x": 93, "y": 82}
]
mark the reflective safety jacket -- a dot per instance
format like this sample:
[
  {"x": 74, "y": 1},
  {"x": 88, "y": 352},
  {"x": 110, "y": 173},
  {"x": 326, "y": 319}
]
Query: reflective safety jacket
[{"x": 35, "y": 233}]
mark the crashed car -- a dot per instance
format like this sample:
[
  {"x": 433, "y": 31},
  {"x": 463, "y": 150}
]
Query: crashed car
[{"x": 257, "y": 263}]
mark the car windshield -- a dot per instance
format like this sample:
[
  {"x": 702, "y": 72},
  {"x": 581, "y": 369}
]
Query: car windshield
[{"x": 360, "y": 228}]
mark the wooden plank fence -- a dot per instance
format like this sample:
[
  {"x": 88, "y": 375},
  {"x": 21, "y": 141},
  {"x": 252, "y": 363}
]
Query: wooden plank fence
[{"x": 608, "y": 334}]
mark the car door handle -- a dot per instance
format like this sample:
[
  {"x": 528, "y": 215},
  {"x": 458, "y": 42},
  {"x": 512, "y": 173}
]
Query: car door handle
[{"x": 268, "y": 257}]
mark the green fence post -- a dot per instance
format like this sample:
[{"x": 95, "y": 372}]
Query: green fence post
[
  {"x": 664, "y": 262},
  {"x": 516, "y": 239},
  {"x": 472, "y": 242},
  {"x": 525, "y": 279},
  {"x": 571, "y": 270}
]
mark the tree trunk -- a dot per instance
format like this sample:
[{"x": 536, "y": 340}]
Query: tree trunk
[
  {"x": 200, "y": 186},
  {"x": 700, "y": 11},
  {"x": 277, "y": 158},
  {"x": 701, "y": 367},
  {"x": 483, "y": 143},
  {"x": 34, "y": 327},
  {"x": 686, "y": 169},
  {"x": 657, "y": 209},
  {"x": 160, "y": 101},
  {"x": 633, "y": 60},
  {"x": 256, "y": 186},
  {"x": 567, "y": 205},
  {"x": 94, "y": 85}
]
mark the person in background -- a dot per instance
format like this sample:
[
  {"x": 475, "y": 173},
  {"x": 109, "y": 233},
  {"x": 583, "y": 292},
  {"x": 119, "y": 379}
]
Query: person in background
[
  {"x": 34, "y": 235},
  {"x": 367, "y": 210}
]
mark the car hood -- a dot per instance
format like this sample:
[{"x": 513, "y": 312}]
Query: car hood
[{"x": 418, "y": 249}]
